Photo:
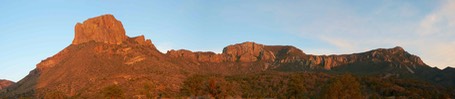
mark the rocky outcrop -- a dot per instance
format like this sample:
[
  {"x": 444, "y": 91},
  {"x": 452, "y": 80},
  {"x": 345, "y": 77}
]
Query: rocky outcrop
[
  {"x": 103, "y": 28},
  {"x": 243, "y": 52},
  {"x": 197, "y": 56},
  {"x": 247, "y": 52},
  {"x": 142, "y": 41},
  {"x": 5, "y": 83}
]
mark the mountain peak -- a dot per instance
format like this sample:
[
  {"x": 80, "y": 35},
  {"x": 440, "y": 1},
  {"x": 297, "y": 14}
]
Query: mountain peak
[
  {"x": 247, "y": 52},
  {"x": 104, "y": 28}
]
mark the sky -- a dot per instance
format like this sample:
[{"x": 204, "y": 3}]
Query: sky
[{"x": 31, "y": 31}]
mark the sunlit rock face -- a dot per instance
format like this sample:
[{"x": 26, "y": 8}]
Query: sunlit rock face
[
  {"x": 247, "y": 52},
  {"x": 103, "y": 28}
]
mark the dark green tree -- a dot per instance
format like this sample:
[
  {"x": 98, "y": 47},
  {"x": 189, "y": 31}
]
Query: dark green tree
[
  {"x": 296, "y": 87},
  {"x": 345, "y": 86}
]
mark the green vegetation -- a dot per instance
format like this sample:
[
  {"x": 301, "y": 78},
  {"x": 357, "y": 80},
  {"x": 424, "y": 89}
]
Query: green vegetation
[
  {"x": 211, "y": 85},
  {"x": 264, "y": 85},
  {"x": 54, "y": 95},
  {"x": 345, "y": 86},
  {"x": 300, "y": 85},
  {"x": 148, "y": 90},
  {"x": 395, "y": 87},
  {"x": 282, "y": 85},
  {"x": 48, "y": 94},
  {"x": 112, "y": 92}
]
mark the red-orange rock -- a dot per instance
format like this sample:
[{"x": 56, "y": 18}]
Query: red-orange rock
[
  {"x": 209, "y": 57},
  {"x": 141, "y": 40},
  {"x": 5, "y": 83},
  {"x": 185, "y": 54},
  {"x": 247, "y": 52},
  {"x": 103, "y": 28},
  {"x": 197, "y": 56}
]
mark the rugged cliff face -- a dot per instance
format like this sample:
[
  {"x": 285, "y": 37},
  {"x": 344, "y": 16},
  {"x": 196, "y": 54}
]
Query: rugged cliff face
[
  {"x": 247, "y": 52},
  {"x": 103, "y": 28}
]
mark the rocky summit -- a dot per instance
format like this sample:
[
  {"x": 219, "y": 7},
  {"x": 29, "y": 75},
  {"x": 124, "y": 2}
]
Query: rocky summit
[
  {"x": 102, "y": 60},
  {"x": 103, "y": 28}
]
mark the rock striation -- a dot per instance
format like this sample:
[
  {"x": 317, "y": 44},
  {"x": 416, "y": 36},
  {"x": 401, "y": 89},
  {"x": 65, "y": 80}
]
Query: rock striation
[{"x": 103, "y": 28}]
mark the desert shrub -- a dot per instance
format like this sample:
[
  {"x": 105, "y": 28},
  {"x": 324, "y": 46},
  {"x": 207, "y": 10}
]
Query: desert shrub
[
  {"x": 297, "y": 87},
  {"x": 212, "y": 85},
  {"x": 402, "y": 87},
  {"x": 193, "y": 86},
  {"x": 265, "y": 85},
  {"x": 345, "y": 86},
  {"x": 147, "y": 90},
  {"x": 112, "y": 92},
  {"x": 48, "y": 94},
  {"x": 54, "y": 95}
]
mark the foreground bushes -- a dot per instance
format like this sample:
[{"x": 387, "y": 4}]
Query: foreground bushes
[
  {"x": 112, "y": 92},
  {"x": 298, "y": 85},
  {"x": 345, "y": 86},
  {"x": 264, "y": 85},
  {"x": 207, "y": 86},
  {"x": 289, "y": 85}
]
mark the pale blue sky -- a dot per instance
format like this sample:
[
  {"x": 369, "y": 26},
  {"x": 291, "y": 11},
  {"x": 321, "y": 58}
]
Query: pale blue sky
[{"x": 31, "y": 31}]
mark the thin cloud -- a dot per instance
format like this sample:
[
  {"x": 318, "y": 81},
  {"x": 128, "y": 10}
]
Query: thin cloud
[
  {"x": 440, "y": 21},
  {"x": 437, "y": 33},
  {"x": 341, "y": 44}
]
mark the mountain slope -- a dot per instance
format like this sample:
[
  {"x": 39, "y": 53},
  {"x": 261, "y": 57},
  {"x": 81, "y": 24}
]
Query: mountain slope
[{"x": 5, "y": 83}]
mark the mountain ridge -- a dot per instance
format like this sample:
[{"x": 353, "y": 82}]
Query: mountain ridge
[{"x": 101, "y": 48}]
